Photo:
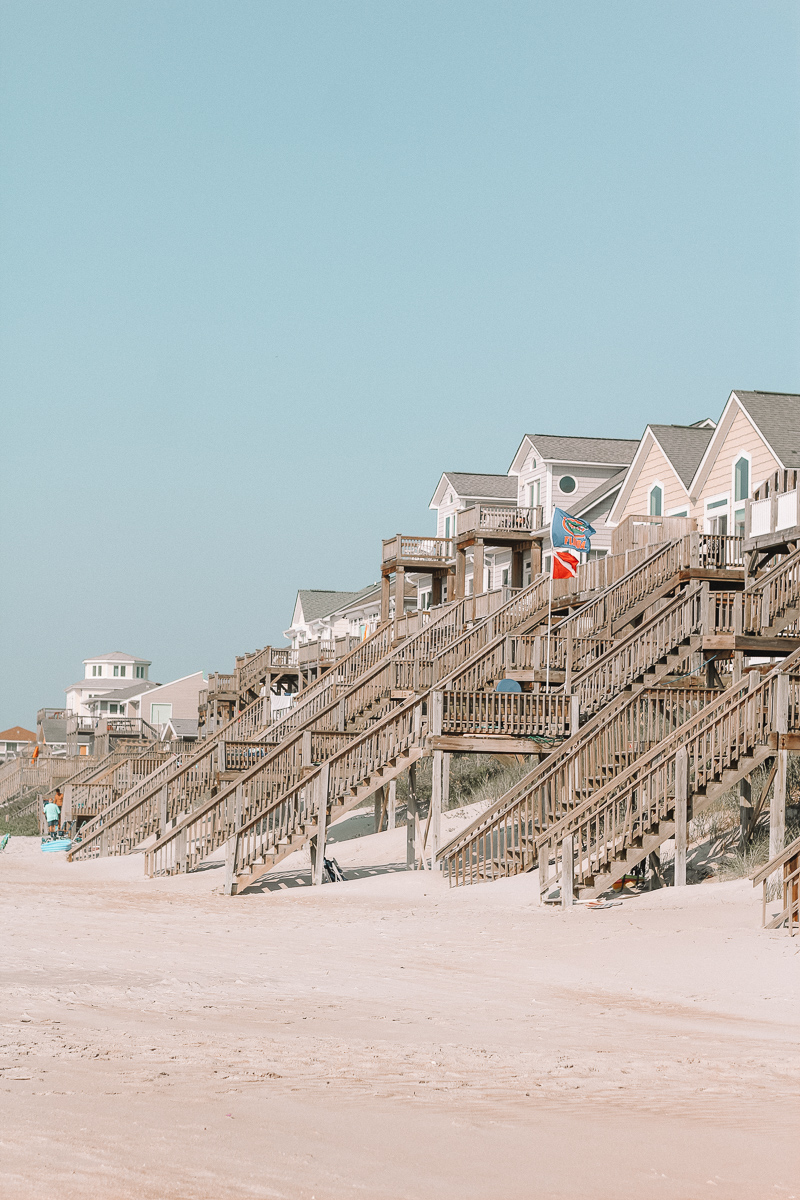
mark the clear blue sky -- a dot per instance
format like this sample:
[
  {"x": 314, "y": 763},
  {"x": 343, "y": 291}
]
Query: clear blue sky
[{"x": 269, "y": 268}]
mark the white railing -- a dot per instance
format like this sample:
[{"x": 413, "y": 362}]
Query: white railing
[{"x": 759, "y": 517}]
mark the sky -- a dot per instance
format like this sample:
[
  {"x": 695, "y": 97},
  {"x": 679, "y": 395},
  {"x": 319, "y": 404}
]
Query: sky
[{"x": 268, "y": 269}]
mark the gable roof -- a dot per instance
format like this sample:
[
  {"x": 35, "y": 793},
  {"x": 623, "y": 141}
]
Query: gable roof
[
  {"x": 602, "y": 451},
  {"x": 777, "y": 417},
  {"x": 684, "y": 447},
  {"x": 182, "y": 727},
  {"x": 481, "y": 487},
  {"x": 317, "y": 603},
  {"x": 17, "y": 734},
  {"x": 127, "y": 693},
  {"x": 54, "y": 730}
]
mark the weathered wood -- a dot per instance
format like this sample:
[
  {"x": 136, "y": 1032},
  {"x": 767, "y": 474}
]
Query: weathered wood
[
  {"x": 567, "y": 872},
  {"x": 392, "y": 810},
  {"x": 322, "y": 788},
  {"x": 681, "y": 815}
]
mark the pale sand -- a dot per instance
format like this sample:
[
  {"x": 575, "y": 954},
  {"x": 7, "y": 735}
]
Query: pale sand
[{"x": 389, "y": 1038}]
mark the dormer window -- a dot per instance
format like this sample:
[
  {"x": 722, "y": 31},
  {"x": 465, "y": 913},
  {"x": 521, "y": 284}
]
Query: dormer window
[
  {"x": 116, "y": 672},
  {"x": 139, "y": 672},
  {"x": 97, "y": 671}
]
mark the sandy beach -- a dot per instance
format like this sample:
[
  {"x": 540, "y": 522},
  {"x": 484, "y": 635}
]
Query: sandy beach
[{"x": 389, "y": 1037}]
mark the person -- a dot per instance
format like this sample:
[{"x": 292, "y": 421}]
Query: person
[
  {"x": 52, "y": 814},
  {"x": 59, "y": 800}
]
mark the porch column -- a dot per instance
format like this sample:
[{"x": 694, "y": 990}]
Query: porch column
[
  {"x": 436, "y": 588},
  {"x": 461, "y": 572},
  {"x": 536, "y": 559},
  {"x": 399, "y": 592},
  {"x": 385, "y": 588},
  {"x": 477, "y": 568},
  {"x": 516, "y": 567}
]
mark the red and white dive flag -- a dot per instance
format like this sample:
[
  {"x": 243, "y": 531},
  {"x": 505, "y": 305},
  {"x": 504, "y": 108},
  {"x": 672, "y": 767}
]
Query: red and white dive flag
[{"x": 565, "y": 565}]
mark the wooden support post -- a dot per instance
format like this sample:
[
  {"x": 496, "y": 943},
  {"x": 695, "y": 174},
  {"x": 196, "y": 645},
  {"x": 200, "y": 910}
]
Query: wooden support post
[
  {"x": 436, "y": 589},
  {"x": 681, "y": 814},
  {"x": 446, "y": 781},
  {"x": 536, "y": 559},
  {"x": 222, "y": 763},
  {"x": 341, "y": 721},
  {"x": 378, "y": 809},
  {"x": 399, "y": 593},
  {"x": 411, "y": 816},
  {"x": 777, "y": 806},
  {"x": 567, "y": 873},
  {"x": 392, "y": 804},
  {"x": 461, "y": 573},
  {"x": 435, "y": 822},
  {"x": 516, "y": 567},
  {"x": 477, "y": 567},
  {"x": 745, "y": 809},
  {"x": 305, "y": 748},
  {"x": 321, "y": 788},
  {"x": 231, "y": 850},
  {"x": 385, "y": 593}
]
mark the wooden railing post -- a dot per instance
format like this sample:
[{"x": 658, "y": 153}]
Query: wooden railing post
[
  {"x": 411, "y": 816},
  {"x": 777, "y": 807},
  {"x": 567, "y": 872},
  {"x": 391, "y": 811},
  {"x": 305, "y": 748},
  {"x": 681, "y": 814},
  {"x": 321, "y": 787}
]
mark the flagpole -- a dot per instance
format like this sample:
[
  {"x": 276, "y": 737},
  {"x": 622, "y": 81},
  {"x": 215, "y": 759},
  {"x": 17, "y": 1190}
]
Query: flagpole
[{"x": 549, "y": 620}]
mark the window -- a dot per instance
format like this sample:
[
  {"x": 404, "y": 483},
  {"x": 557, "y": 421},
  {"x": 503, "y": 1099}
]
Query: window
[
  {"x": 447, "y": 527},
  {"x": 122, "y": 672},
  {"x": 567, "y": 484},
  {"x": 139, "y": 672},
  {"x": 11, "y": 747},
  {"x": 505, "y": 576},
  {"x": 103, "y": 706},
  {"x": 112, "y": 708},
  {"x": 97, "y": 671},
  {"x": 116, "y": 671},
  {"x": 738, "y": 522},
  {"x": 741, "y": 479},
  {"x": 656, "y": 497},
  {"x": 536, "y": 491}
]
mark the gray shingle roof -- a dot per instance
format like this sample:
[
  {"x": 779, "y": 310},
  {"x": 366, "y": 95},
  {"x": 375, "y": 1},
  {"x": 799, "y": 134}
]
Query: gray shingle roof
[
  {"x": 54, "y": 731},
  {"x": 317, "y": 604},
  {"x": 611, "y": 451},
  {"x": 127, "y": 693},
  {"x": 103, "y": 684},
  {"x": 684, "y": 446},
  {"x": 612, "y": 484},
  {"x": 777, "y": 415},
  {"x": 484, "y": 487},
  {"x": 184, "y": 727}
]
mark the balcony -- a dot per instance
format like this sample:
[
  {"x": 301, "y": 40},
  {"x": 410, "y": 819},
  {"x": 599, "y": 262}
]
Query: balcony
[
  {"x": 507, "y": 521},
  {"x": 772, "y": 517},
  {"x": 52, "y": 714},
  {"x": 418, "y": 552}
]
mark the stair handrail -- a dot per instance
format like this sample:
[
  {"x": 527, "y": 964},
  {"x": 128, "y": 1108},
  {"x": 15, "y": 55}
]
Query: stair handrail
[{"x": 737, "y": 698}]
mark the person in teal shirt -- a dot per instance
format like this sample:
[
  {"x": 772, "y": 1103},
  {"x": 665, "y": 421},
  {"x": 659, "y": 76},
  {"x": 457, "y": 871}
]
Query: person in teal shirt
[{"x": 52, "y": 814}]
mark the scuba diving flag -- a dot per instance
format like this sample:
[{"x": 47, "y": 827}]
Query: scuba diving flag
[
  {"x": 570, "y": 532},
  {"x": 565, "y": 565}
]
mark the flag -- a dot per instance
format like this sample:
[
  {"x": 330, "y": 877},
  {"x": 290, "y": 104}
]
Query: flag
[
  {"x": 565, "y": 565},
  {"x": 571, "y": 532}
]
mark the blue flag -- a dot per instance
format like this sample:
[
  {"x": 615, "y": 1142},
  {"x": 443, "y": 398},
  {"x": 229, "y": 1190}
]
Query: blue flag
[{"x": 571, "y": 532}]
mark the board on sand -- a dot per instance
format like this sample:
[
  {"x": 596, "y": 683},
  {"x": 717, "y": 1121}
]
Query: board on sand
[{"x": 61, "y": 844}]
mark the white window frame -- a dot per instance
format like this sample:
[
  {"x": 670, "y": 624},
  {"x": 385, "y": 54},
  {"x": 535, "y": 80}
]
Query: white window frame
[
  {"x": 718, "y": 511},
  {"x": 742, "y": 454},
  {"x": 655, "y": 484}
]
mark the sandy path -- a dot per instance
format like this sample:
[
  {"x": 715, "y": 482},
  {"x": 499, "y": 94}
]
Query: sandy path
[{"x": 388, "y": 1038}]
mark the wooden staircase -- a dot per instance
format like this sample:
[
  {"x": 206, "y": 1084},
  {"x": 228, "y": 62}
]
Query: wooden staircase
[
  {"x": 593, "y": 845},
  {"x": 272, "y": 803}
]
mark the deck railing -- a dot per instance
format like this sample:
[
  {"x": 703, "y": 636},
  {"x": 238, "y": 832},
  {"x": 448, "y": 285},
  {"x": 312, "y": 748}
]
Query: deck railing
[
  {"x": 498, "y": 518},
  {"x": 536, "y": 715},
  {"x": 775, "y": 505},
  {"x": 435, "y": 550},
  {"x": 773, "y": 603}
]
